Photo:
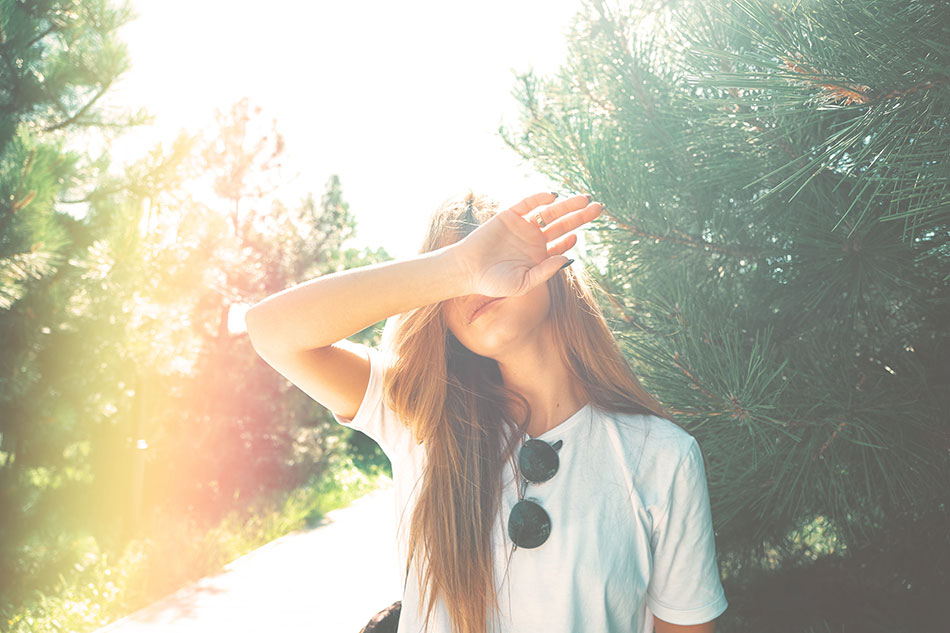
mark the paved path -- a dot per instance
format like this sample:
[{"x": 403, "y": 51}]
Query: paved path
[{"x": 331, "y": 578}]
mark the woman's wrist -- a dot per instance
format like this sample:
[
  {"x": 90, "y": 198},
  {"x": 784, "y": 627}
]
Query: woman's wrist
[{"x": 456, "y": 268}]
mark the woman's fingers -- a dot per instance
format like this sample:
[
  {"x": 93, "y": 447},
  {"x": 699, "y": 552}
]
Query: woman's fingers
[
  {"x": 562, "y": 245},
  {"x": 526, "y": 208},
  {"x": 570, "y": 221},
  {"x": 545, "y": 270},
  {"x": 557, "y": 219},
  {"x": 532, "y": 202}
]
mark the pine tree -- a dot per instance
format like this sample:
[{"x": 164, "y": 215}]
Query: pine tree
[
  {"x": 776, "y": 249},
  {"x": 56, "y": 60}
]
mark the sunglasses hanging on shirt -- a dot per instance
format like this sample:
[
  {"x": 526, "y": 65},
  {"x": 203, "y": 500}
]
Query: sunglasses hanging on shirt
[{"x": 528, "y": 524}]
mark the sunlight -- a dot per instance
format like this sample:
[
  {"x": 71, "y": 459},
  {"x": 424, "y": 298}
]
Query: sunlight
[{"x": 402, "y": 101}]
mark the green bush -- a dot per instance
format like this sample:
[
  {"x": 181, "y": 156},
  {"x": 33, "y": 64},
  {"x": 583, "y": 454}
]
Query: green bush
[{"x": 178, "y": 550}]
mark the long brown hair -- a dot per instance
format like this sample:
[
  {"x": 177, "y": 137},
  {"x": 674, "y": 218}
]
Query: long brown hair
[{"x": 458, "y": 407}]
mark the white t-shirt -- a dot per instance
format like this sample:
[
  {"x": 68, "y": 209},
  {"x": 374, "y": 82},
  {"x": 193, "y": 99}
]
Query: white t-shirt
[{"x": 631, "y": 532}]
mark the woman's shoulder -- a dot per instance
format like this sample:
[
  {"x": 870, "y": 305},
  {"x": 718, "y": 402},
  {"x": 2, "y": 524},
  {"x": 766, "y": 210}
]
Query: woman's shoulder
[{"x": 650, "y": 450}]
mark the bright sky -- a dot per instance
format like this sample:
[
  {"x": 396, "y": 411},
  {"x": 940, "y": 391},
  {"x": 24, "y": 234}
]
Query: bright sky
[{"x": 402, "y": 100}]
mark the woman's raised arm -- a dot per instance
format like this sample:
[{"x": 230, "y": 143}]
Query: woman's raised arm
[
  {"x": 322, "y": 311},
  {"x": 506, "y": 256},
  {"x": 301, "y": 332}
]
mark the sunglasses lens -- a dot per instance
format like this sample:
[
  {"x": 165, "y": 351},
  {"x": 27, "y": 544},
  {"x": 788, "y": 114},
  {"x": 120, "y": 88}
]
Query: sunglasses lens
[
  {"x": 538, "y": 461},
  {"x": 528, "y": 524}
]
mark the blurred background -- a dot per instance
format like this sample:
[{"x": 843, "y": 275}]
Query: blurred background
[{"x": 775, "y": 261}]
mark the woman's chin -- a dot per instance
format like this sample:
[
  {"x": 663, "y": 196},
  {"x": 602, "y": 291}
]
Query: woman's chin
[{"x": 495, "y": 344}]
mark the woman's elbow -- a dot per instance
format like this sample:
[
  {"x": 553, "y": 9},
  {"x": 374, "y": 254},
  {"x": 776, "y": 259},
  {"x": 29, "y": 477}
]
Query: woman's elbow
[{"x": 661, "y": 626}]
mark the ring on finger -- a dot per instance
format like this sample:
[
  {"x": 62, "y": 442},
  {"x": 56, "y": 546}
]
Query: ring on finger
[{"x": 540, "y": 220}]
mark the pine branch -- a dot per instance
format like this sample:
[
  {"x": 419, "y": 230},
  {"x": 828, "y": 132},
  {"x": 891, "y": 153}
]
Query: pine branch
[
  {"x": 18, "y": 268},
  {"x": 685, "y": 241},
  {"x": 15, "y": 83},
  {"x": 828, "y": 442},
  {"x": 693, "y": 380},
  {"x": 41, "y": 36},
  {"x": 757, "y": 124},
  {"x": 837, "y": 90},
  {"x": 81, "y": 111},
  {"x": 680, "y": 160}
]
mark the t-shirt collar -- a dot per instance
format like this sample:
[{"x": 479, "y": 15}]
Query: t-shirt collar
[{"x": 582, "y": 414}]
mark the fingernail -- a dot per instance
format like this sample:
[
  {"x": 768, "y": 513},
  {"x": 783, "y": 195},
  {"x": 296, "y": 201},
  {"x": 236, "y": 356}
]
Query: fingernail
[
  {"x": 555, "y": 194},
  {"x": 590, "y": 198},
  {"x": 567, "y": 263}
]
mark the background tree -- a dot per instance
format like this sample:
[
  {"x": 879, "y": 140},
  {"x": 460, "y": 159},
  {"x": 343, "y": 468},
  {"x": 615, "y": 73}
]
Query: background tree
[
  {"x": 238, "y": 429},
  {"x": 126, "y": 400},
  {"x": 775, "y": 249},
  {"x": 56, "y": 61}
]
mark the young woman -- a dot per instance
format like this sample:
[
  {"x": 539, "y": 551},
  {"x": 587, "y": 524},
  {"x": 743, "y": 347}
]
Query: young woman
[{"x": 538, "y": 486}]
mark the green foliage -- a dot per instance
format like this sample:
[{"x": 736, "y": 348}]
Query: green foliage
[
  {"x": 56, "y": 61},
  {"x": 104, "y": 586},
  {"x": 893, "y": 583}
]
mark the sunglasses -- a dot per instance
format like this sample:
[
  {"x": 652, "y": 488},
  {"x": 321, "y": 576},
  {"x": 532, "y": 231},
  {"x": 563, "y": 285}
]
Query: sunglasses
[{"x": 528, "y": 524}]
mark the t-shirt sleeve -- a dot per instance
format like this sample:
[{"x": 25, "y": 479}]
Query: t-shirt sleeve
[
  {"x": 685, "y": 586},
  {"x": 375, "y": 418}
]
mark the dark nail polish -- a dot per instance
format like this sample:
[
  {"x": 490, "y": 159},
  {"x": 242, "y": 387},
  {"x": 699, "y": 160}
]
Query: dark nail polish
[
  {"x": 567, "y": 263},
  {"x": 590, "y": 198},
  {"x": 555, "y": 194}
]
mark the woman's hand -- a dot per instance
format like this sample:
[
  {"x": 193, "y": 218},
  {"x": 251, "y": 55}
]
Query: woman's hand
[{"x": 510, "y": 254}]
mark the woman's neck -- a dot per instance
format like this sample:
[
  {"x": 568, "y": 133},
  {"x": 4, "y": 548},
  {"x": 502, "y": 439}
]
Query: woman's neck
[{"x": 536, "y": 371}]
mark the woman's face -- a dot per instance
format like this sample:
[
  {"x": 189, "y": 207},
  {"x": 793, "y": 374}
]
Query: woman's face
[{"x": 502, "y": 326}]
